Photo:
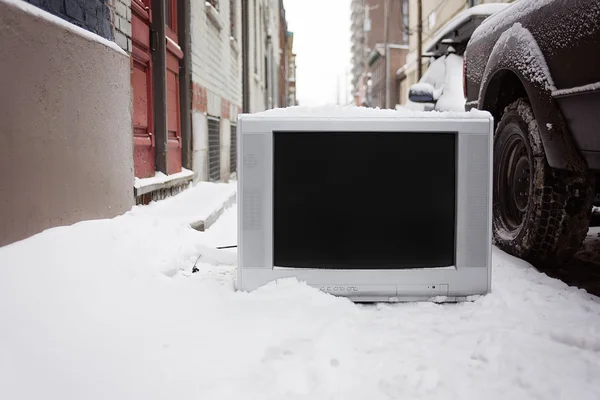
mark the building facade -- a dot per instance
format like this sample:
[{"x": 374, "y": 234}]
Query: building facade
[
  {"x": 368, "y": 23},
  {"x": 216, "y": 37},
  {"x": 263, "y": 54},
  {"x": 292, "y": 100},
  {"x": 283, "y": 57},
  {"x": 379, "y": 91}
]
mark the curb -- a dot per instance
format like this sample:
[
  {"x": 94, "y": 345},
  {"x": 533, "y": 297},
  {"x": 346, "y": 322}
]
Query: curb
[{"x": 204, "y": 224}]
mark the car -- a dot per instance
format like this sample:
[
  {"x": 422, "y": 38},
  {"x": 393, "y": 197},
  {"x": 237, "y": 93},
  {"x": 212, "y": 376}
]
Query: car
[
  {"x": 441, "y": 87},
  {"x": 535, "y": 67}
]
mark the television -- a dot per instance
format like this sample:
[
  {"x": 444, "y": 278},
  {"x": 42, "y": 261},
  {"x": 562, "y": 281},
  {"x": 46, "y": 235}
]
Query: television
[{"x": 373, "y": 205}]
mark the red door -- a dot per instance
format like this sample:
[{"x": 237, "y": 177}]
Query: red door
[
  {"x": 141, "y": 82},
  {"x": 174, "y": 54}
]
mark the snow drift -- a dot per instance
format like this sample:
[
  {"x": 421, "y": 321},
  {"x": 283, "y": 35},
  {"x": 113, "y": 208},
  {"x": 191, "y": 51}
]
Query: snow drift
[{"x": 110, "y": 310}]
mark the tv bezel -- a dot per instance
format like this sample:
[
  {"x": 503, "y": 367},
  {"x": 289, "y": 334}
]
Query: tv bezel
[{"x": 471, "y": 274}]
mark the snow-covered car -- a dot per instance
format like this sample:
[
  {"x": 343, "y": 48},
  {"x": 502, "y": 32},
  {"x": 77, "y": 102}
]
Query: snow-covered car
[
  {"x": 441, "y": 87},
  {"x": 535, "y": 68}
]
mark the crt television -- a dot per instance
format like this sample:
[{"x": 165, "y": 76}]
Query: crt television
[{"x": 374, "y": 205}]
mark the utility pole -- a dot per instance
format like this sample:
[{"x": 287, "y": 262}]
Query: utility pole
[
  {"x": 419, "y": 39},
  {"x": 387, "y": 52}
]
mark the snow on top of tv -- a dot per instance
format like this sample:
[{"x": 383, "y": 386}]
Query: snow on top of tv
[{"x": 342, "y": 112}]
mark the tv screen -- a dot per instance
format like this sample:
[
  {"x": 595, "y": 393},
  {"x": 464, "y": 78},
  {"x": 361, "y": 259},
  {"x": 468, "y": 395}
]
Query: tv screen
[{"x": 353, "y": 200}]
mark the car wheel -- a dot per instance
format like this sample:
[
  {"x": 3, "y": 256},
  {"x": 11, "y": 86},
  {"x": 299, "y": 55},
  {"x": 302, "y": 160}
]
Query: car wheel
[{"x": 541, "y": 214}]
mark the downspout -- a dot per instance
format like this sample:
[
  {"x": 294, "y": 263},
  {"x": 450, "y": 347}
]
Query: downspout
[
  {"x": 159, "y": 84},
  {"x": 185, "y": 80}
]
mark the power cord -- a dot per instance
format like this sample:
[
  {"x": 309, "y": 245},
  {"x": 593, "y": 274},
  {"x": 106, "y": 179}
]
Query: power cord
[{"x": 195, "y": 269}]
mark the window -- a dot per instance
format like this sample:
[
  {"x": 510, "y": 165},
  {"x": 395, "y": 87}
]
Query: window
[
  {"x": 233, "y": 18},
  {"x": 214, "y": 149},
  {"x": 171, "y": 14},
  {"x": 405, "y": 21}
]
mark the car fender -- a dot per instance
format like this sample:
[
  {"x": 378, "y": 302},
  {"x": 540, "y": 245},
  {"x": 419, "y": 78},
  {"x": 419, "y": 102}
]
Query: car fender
[{"x": 517, "y": 52}]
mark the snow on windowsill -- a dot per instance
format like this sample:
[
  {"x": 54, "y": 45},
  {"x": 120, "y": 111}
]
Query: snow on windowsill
[
  {"x": 213, "y": 15},
  {"x": 173, "y": 43},
  {"x": 160, "y": 178},
  {"x": 38, "y": 12},
  {"x": 234, "y": 45}
]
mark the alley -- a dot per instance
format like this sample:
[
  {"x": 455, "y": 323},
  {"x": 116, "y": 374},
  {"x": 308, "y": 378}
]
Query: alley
[{"x": 111, "y": 309}]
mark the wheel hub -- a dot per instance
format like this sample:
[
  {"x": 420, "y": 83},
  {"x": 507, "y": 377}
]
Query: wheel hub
[
  {"x": 521, "y": 184},
  {"x": 514, "y": 185}
]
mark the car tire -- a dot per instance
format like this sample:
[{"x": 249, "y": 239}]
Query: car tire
[{"x": 540, "y": 214}]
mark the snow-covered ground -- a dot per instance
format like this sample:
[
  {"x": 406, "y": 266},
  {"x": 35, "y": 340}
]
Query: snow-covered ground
[{"x": 110, "y": 310}]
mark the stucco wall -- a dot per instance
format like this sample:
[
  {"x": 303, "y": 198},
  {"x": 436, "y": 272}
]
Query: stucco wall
[{"x": 65, "y": 133}]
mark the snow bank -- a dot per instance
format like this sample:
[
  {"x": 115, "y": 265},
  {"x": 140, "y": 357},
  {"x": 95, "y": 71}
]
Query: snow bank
[
  {"x": 109, "y": 310},
  {"x": 344, "y": 112},
  {"x": 160, "y": 177},
  {"x": 191, "y": 205},
  {"x": 38, "y": 12}
]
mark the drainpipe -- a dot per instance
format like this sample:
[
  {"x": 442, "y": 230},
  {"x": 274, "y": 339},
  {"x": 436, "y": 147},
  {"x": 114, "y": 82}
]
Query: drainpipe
[
  {"x": 185, "y": 80},
  {"x": 159, "y": 87}
]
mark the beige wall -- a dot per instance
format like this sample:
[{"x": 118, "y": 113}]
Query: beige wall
[{"x": 65, "y": 126}]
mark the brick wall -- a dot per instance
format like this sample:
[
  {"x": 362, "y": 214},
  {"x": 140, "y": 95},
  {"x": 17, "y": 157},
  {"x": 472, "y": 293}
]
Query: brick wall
[
  {"x": 199, "y": 100},
  {"x": 93, "y": 15},
  {"x": 121, "y": 20}
]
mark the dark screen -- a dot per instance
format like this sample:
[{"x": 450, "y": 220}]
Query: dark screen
[{"x": 364, "y": 200}]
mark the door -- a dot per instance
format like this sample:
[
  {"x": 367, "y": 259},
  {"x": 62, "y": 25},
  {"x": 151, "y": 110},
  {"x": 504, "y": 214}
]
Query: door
[
  {"x": 141, "y": 83},
  {"x": 174, "y": 54}
]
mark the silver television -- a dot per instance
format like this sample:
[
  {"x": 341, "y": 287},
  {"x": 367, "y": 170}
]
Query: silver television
[{"x": 373, "y": 205}]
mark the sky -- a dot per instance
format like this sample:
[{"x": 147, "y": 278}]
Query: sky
[{"x": 322, "y": 44}]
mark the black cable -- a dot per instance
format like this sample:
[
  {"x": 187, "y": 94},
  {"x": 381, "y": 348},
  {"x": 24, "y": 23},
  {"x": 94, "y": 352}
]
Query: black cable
[{"x": 195, "y": 269}]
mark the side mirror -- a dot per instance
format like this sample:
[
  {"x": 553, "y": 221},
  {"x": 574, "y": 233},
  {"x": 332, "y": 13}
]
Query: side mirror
[{"x": 421, "y": 93}]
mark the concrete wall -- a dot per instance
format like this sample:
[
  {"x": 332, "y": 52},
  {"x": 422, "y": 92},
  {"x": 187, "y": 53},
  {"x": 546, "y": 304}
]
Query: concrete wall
[{"x": 66, "y": 137}]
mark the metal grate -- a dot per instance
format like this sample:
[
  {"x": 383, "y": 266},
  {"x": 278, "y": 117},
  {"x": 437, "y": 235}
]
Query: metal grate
[
  {"x": 233, "y": 150},
  {"x": 214, "y": 149}
]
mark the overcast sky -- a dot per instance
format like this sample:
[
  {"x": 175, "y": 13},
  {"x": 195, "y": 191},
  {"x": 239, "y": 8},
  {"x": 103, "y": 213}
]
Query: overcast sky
[{"x": 322, "y": 44}]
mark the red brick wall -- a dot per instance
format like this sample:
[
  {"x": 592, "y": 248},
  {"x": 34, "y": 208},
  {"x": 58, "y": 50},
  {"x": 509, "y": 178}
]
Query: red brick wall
[
  {"x": 225, "y": 110},
  {"x": 199, "y": 100}
]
